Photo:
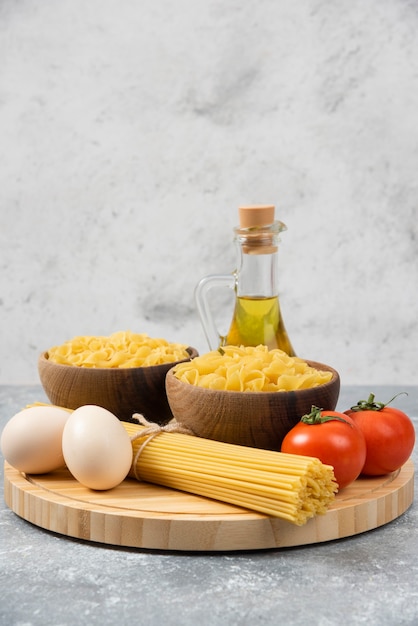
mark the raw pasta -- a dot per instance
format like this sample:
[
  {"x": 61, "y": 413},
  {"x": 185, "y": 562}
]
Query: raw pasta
[
  {"x": 292, "y": 487},
  {"x": 121, "y": 349},
  {"x": 248, "y": 368}
]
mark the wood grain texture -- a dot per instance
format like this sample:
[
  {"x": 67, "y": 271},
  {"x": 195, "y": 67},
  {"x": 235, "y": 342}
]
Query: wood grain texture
[
  {"x": 141, "y": 515},
  {"x": 254, "y": 419}
]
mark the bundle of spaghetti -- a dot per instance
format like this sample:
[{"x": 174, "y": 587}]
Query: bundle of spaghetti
[{"x": 292, "y": 487}]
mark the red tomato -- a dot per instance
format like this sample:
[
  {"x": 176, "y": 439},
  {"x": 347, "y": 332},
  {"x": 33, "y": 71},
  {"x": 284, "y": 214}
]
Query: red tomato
[
  {"x": 389, "y": 435},
  {"x": 331, "y": 437}
]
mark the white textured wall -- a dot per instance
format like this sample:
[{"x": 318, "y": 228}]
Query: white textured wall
[{"x": 131, "y": 131}]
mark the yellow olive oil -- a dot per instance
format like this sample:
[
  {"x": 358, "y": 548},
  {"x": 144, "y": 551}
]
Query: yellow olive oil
[{"x": 258, "y": 321}]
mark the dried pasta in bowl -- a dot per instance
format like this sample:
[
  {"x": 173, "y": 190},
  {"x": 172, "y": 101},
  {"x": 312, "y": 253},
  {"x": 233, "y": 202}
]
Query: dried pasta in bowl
[
  {"x": 250, "y": 369},
  {"x": 123, "y": 349}
]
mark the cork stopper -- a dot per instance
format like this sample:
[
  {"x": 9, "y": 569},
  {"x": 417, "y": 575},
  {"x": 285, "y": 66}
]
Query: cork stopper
[{"x": 260, "y": 215}]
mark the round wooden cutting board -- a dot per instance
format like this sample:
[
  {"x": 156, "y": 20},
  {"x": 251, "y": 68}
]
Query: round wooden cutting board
[{"x": 141, "y": 515}]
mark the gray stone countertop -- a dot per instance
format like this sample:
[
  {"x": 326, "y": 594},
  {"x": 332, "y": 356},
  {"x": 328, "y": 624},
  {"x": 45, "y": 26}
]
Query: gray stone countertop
[{"x": 52, "y": 580}]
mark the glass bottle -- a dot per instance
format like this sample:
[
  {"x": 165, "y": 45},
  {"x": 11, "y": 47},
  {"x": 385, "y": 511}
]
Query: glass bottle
[{"x": 257, "y": 317}]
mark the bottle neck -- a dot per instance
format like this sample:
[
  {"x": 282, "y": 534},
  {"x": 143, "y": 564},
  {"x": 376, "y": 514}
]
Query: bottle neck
[{"x": 257, "y": 273}]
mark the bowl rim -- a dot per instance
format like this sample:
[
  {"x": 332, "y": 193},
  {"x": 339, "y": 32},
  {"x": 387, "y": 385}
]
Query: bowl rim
[
  {"x": 264, "y": 394},
  {"x": 43, "y": 358}
]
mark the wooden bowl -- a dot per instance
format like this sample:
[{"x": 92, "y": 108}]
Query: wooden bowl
[
  {"x": 123, "y": 391},
  {"x": 255, "y": 419}
]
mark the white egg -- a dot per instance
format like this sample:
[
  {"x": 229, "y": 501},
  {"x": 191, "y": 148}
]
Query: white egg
[
  {"x": 31, "y": 441},
  {"x": 97, "y": 449}
]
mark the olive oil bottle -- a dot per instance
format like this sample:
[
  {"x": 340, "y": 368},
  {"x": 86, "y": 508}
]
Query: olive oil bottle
[{"x": 257, "y": 317}]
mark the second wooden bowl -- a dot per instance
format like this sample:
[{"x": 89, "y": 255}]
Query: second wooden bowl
[
  {"x": 123, "y": 391},
  {"x": 255, "y": 419}
]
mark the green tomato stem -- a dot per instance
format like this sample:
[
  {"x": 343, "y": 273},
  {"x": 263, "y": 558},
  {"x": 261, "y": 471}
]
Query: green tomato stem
[
  {"x": 316, "y": 417},
  {"x": 371, "y": 405}
]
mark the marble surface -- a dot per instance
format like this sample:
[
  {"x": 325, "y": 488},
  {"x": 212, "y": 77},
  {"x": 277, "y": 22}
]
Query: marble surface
[
  {"x": 51, "y": 580},
  {"x": 131, "y": 132}
]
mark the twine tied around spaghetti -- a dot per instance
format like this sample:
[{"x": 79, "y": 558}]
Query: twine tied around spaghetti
[{"x": 151, "y": 430}]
